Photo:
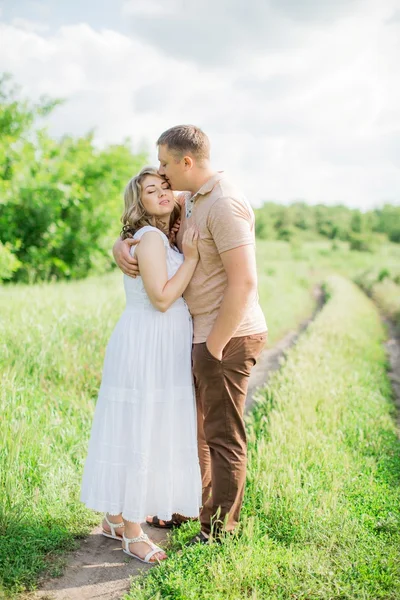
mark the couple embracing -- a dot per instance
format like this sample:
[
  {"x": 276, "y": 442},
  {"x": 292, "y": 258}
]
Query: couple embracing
[{"x": 168, "y": 441}]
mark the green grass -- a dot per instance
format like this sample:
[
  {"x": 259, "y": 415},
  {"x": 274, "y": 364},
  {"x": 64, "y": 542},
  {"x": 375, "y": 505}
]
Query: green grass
[
  {"x": 321, "y": 516},
  {"x": 52, "y": 342},
  {"x": 383, "y": 285},
  {"x": 53, "y": 339},
  {"x": 288, "y": 272},
  {"x": 387, "y": 295}
]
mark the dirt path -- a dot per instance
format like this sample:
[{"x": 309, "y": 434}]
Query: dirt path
[
  {"x": 99, "y": 569},
  {"x": 392, "y": 346}
]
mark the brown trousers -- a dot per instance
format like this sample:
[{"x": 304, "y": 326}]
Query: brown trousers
[{"x": 221, "y": 388}]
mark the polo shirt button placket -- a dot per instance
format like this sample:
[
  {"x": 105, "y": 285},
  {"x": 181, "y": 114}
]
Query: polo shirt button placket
[{"x": 189, "y": 207}]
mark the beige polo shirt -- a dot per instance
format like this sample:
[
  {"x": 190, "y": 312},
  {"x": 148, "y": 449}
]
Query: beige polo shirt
[{"x": 225, "y": 220}]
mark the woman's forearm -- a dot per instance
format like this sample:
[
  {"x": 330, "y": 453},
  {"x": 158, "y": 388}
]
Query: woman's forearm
[{"x": 175, "y": 286}]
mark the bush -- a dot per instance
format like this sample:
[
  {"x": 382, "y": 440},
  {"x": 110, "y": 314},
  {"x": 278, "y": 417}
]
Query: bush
[
  {"x": 383, "y": 274},
  {"x": 361, "y": 242}
]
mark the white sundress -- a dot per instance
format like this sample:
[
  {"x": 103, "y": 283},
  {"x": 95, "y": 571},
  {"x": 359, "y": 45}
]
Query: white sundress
[{"x": 142, "y": 458}]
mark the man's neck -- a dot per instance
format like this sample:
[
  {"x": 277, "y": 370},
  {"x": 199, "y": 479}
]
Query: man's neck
[{"x": 200, "y": 179}]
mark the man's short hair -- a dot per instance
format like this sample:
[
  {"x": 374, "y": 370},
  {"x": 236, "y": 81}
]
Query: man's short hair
[{"x": 186, "y": 138}]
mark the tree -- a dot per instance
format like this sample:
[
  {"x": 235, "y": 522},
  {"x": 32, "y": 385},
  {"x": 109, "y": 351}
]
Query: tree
[
  {"x": 60, "y": 201},
  {"x": 388, "y": 222},
  {"x": 300, "y": 220}
]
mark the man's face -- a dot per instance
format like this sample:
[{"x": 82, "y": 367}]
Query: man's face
[{"x": 174, "y": 171}]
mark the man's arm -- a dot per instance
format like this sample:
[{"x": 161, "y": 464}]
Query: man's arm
[
  {"x": 240, "y": 266},
  {"x": 121, "y": 252}
]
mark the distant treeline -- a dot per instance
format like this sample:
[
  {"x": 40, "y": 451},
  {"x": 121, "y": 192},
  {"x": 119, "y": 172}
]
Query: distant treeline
[
  {"x": 61, "y": 200},
  {"x": 304, "y": 221}
]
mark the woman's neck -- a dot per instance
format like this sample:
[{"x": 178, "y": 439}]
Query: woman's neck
[{"x": 163, "y": 221}]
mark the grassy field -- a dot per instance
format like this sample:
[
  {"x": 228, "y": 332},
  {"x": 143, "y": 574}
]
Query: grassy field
[
  {"x": 321, "y": 515},
  {"x": 383, "y": 285},
  {"x": 52, "y": 345},
  {"x": 53, "y": 339},
  {"x": 387, "y": 295},
  {"x": 287, "y": 273}
]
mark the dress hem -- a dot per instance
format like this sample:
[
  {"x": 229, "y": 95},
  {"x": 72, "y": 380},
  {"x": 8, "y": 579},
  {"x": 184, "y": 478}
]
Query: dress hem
[{"x": 164, "y": 516}]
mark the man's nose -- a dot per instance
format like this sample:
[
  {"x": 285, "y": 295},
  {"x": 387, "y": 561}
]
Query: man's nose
[{"x": 160, "y": 170}]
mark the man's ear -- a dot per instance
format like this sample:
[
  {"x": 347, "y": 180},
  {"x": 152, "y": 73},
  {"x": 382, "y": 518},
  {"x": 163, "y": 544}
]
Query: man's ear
[{"x": 188, "y": 162}]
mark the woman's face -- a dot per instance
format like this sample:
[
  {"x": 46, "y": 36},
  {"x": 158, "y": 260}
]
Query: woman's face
[{"x": 157, "y": 196}]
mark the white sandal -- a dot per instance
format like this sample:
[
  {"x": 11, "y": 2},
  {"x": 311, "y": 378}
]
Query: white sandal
[
  {"x": 141, "y": 538},
  {"x": 113, "y": 527}
]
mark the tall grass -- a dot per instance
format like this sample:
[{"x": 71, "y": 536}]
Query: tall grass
[
  {"x": 321, "y": 518},
  {"x": 383, "y": 285},
  {"x": 387, "y": 295},
  {"x": 52, "y": 343},
  {"x": 285, "y": 267}
]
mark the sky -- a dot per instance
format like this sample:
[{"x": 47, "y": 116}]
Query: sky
[{"x": 300, "y": 98}]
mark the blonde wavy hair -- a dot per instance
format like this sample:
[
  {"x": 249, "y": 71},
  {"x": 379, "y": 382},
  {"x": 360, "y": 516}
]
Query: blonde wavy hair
[{"x": 135, "y": 216}]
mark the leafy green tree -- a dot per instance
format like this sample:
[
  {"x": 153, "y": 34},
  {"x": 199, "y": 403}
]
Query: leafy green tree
[
  {"x": 60, "y": 201},
  {"x": 8, "y": 262},
  {"x": 387, "y": 220},
  {"x": 302, "y": 221}
]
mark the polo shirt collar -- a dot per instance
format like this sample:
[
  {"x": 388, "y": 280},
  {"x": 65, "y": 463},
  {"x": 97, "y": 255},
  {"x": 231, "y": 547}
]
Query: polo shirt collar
[{"x": 209, "y": 185}]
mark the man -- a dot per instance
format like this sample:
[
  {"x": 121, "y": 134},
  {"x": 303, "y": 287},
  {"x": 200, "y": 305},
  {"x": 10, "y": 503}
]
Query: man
[{"x": 229, "y": 326}]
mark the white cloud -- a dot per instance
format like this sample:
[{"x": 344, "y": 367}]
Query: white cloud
[{"x": 319, "y": 121}]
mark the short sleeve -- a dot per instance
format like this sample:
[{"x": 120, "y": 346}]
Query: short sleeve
[{"x": 231, "y": 223}]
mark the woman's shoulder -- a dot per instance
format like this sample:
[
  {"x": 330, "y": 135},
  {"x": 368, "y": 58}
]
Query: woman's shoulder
[{"x": 147, "y": 228}]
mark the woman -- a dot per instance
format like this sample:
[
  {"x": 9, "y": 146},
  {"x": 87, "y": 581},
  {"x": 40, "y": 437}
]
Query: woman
[{"x": 142, "y": 455}]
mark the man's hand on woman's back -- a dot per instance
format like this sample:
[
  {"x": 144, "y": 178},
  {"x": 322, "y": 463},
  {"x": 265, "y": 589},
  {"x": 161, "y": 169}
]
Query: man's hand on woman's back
[{"x": 127, "y": 263}]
